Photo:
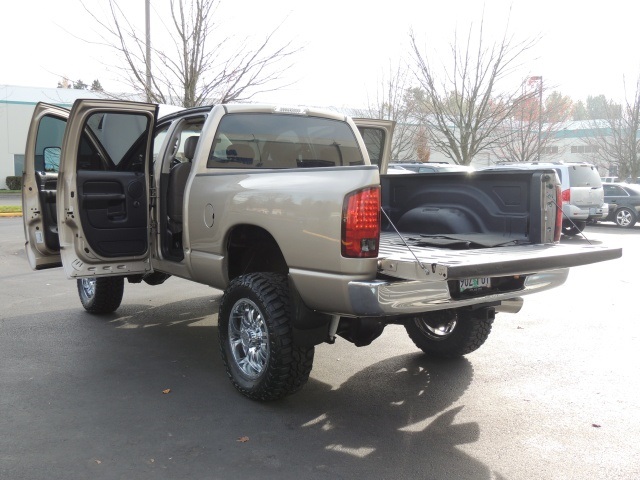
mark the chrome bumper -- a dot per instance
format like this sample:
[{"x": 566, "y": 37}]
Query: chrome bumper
[{"x": 385, "y": 298}]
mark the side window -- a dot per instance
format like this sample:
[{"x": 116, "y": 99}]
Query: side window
[
  {"x": 374, "y": 141},
  {"x": 183, "y": 141},
  {"x": 48, "y": 143},
  {"x": 614, "y": 191},
  {"x": 183, "y": 151},
  {"x": 113, "y": 141},
  {"x": 158, "y": 138}
]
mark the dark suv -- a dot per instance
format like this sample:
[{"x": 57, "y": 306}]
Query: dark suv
[{"x": 624, "y": 203}]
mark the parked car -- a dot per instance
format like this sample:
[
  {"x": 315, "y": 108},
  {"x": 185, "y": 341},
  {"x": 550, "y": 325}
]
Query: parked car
[
  {"x": 624, "y": 203},
  {"x": 582, "y": 194},
  {"x": 609, "y": 179}
]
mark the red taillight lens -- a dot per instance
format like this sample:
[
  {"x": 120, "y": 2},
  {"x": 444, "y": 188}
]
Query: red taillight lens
[
  {"x": 559, "y": 199},
  {"x": 566, "y": 195},
  {"x": 361, "y": 223}
]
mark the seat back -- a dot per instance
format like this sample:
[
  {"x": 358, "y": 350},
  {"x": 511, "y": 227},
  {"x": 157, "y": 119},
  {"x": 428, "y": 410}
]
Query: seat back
[
  {"x": 190, "y": 145},
  {"x": 241, "y": 153},
  {"x": 178, "y": 176},
  {"x": 280, "y": 154}
]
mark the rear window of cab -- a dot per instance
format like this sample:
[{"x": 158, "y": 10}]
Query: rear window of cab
[{"x": 281, "y": 141}]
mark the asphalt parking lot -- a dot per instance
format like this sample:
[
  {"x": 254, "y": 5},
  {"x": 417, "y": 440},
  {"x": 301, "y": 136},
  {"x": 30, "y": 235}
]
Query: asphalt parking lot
[{"x": 553, "y": 394}]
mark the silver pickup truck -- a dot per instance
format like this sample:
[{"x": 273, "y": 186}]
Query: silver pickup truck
[{"x": 287, "y": 210}]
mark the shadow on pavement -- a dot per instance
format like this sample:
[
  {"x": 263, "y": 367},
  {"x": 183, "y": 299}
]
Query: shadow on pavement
[{"x": 143, "y": 394}]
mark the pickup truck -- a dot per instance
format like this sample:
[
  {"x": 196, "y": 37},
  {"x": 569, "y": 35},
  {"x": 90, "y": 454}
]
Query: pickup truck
[{"x": 289, "y": 212}]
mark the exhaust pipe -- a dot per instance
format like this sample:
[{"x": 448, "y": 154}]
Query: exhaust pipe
[{"x": 513, "y": 305}]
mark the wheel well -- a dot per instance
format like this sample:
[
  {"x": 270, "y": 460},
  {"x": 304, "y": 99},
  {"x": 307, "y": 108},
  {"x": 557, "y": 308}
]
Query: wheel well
[{"x": 252, "y": 249}]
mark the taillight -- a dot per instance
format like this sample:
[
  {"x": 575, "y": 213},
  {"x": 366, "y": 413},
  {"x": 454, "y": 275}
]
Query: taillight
[
  {"x": 361, "y": 223},
  {"x": 566, "y": 195},
  {"x": 559, "y": 200}
]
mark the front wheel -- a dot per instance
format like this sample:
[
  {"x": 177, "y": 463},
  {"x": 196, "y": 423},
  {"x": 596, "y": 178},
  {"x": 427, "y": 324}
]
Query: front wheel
[
  {"x": 625, "y": 218},
  {"x": 101, "y": 295},
  {"x": 450, "y": 333},
  {"x": 256, "y": 338}
]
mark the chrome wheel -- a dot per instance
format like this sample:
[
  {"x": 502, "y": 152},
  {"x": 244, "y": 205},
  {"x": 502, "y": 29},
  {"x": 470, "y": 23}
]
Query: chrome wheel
[
  {"x": 437, "y": 329},
  {"x": 256, "y": 338},
  {"x": 88, "y": 286},
  {"x": 450, "y": 333},
  {"x": 101, "y": 294},
  {"x": 624, "y": 217},
  {"x": 248, "y": 338}
]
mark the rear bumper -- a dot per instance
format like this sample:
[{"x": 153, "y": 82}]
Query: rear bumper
[
  {"x": 585, "y": 213},
  {"x": 603, "y": 214},
  {"x": 575, "y": 213},
  {"x": 385, "y": 298}
]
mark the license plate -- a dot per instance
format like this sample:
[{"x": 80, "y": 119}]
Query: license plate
[{"x": 475, "y": 283}]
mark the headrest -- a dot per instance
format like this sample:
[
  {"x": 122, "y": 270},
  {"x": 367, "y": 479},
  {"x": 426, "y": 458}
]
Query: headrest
[
  {"x": 240, "y": 152},
  {"x": 190, "y": 146}
]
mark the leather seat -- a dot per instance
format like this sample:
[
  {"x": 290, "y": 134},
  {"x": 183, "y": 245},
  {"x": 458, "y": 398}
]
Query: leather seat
[
  {"x": 241, "y": 153},
  {"x": 177, "y": 183}
]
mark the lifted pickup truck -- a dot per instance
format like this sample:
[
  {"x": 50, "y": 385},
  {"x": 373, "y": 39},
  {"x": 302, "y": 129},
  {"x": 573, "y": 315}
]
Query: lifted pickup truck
[{"x": 286, "y": 210}]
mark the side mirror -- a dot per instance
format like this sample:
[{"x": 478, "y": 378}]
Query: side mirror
[{"x": 51, "y": 159}]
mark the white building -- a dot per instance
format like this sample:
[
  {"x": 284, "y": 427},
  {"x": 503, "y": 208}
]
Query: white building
[{"x": 16, "y": 108}]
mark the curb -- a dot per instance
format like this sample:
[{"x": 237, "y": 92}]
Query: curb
[{"x": 14, "y": 214}]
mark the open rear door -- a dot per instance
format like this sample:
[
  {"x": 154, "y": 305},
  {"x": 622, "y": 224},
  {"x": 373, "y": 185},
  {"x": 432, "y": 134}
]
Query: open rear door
[
  {"x": 103, "y": 188},
  {"x": 377, "y": 136},
  {"x": 39, "y": 183}
]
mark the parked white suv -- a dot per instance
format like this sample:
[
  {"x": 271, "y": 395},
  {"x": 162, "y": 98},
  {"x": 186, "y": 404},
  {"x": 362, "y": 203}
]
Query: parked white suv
[{"x": 582, "y": 193}]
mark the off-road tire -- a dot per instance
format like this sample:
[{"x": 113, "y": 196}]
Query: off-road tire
[
  {"x": 256, "y": 338},
  {"x": 101, "y": 295},
  {"x": 467, "y": 334},
  {"x": 574, "y": 229}
]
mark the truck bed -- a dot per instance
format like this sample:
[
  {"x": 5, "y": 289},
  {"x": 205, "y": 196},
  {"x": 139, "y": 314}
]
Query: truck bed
[{"x": 472, "y": 225}]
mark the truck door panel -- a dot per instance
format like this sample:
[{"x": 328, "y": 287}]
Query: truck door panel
[
  {"x": 103, "y": 214},
  {"x": 377, "y": 135},
  {"x": 39, "y": 180},
  {"x": 113, "y": 210}
]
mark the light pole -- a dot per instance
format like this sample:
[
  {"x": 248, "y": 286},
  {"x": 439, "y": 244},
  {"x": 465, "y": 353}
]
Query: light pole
[
  {"x": 539, "y": 80},
  {"x": 147, "y": 18}
]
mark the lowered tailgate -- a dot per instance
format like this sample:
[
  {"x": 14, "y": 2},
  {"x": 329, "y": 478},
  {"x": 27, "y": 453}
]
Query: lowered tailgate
[{"x": 410, "y": 259}]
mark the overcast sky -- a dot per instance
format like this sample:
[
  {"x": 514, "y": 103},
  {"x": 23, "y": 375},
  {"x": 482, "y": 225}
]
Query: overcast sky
[{"x": 585, "y": 47}]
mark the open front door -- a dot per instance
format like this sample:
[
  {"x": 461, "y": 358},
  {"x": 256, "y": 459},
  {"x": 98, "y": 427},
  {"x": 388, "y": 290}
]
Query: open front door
[
  {"x": 39, "y": 182},
  {"x": 103, "y": 188},
  {"x": 377, "y": 136}
]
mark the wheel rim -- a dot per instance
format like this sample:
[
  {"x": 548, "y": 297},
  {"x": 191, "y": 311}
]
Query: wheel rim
[
  {"x": 623, "y": 218},
  {"x": 248, "y": 338},
  {"x": 88, "y": 287},
  {"x": 437, "y": 329}
]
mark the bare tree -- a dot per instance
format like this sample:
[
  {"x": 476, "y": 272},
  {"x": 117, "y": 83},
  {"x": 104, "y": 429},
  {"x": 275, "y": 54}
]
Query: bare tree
[
  {"x": 615, "y": 140},
  {"x": 530, "y": 132},
  {"x": 464, "y": 107},
  {"x": 202, "y": 66},
  {"x": 393, "y": 102}
]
